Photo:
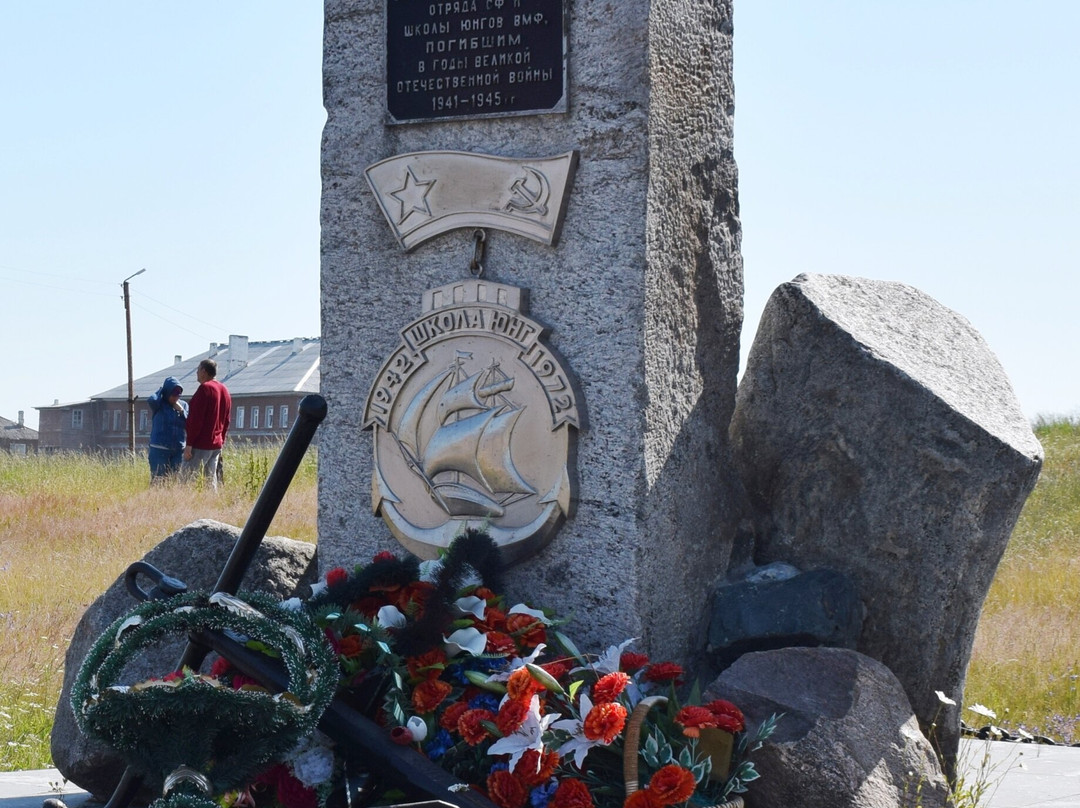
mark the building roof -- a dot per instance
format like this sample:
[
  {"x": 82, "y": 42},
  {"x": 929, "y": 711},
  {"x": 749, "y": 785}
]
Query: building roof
[
  {"x": 12, "y": 430},
  {"x": 246, "y": 368}
]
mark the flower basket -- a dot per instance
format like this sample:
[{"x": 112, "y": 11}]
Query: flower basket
[{"x": 633, "y": 741}]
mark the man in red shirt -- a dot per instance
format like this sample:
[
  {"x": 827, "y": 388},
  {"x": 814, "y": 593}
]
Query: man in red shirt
[{"x": 208, "y": 422}]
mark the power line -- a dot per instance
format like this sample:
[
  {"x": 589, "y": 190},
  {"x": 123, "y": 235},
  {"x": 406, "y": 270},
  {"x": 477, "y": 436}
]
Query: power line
[
  {"x": 174, "y": 325},
  {"x": 8, "y": 279},
  {"x": 185, "y": 314}
]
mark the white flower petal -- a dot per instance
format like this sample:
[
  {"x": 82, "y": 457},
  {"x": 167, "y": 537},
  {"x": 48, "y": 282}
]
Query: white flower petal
[
  {"x": 390, "y": 617},
  {"x": 472, "y": 605},
  {"x": 982, "y": 710},
  {"x": 417, "y": 728},
  {"x": 944, "y": 699},
  {"x": 469, "y": 640},
  {"x": 521, "y": 608}
]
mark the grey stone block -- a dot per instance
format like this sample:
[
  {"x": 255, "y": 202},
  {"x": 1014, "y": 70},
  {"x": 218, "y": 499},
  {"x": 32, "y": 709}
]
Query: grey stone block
[
  {"x": 848, "y": 736},
  {"x": 820, "y": 607},
  {"x": 878, "y": 435},
  {"x": 196, "y": 555}
]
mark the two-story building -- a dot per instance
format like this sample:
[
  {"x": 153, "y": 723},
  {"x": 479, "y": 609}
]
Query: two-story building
[
  {"x": 17, "y": 438},
  {"x": 266, "y": 380}
]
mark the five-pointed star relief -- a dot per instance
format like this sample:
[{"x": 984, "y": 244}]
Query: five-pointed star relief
[{"x": 412, "y": 196}]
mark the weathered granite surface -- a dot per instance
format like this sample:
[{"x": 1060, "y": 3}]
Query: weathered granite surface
[
  {"x": 196, "y": 555},
  {"x": 643, "y": 295},
  {"x": 878, "y": 435},
  {"x": 847, "y": 737}
]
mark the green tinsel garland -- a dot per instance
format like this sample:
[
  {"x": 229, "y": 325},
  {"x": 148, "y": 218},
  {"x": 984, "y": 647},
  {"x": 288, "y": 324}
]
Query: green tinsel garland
[{"x": 228, "y": 735}]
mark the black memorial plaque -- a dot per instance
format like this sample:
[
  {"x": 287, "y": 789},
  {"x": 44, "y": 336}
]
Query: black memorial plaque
[{"x": 474, "y": 58}]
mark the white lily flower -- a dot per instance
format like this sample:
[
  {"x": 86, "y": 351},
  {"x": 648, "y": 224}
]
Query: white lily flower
[
  {"x": 515, "y": 663},
  {"x": 417, "y": 728},
  {"x": 469, "y": 640},
  {"x": 318, "y": 588},
  {"x": 292, "y": 605},
  {"x": 944, "y": 699},
  {"x": 472, "y": 605},
  {"x": 528, "y": 736},
  {"x": 578, "y": 744},
  {"x": 609, "y": 660},
  {"x": 390, "y": 617}
]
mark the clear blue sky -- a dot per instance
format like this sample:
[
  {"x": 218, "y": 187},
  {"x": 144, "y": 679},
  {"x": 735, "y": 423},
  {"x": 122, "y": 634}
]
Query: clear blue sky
[{"x": 929, "y": 142}]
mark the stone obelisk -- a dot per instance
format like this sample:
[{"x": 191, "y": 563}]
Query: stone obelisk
[{"x": 641, "y": 292}]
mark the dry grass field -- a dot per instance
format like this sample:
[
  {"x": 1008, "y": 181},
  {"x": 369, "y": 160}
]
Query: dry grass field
[
  {"x": 1026, "y": 660},
  {"x": 70, "y": 525}
]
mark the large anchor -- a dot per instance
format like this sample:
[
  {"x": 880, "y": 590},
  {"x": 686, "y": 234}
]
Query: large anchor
[{"x": 361, "y": 738}]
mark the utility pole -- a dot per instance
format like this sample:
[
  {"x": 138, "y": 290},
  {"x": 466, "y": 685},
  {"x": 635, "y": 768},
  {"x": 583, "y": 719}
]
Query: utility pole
[{"x": 131, "y": 375}]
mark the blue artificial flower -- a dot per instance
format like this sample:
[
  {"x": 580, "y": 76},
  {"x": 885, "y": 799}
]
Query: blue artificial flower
[
  {"x": 540, "y": 796},
  {"x": 484, "y": 701},
  {"x": 439, "y": 744}
]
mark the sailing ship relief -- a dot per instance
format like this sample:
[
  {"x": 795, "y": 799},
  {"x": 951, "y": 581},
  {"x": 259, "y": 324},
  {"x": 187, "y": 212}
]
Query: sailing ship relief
[{"x": 472, "y": 417}]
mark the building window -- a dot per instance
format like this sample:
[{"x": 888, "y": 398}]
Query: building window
[
  {"x": 269, "y": 417},
  {"x": 239, "y": 417},
  {"x": 18, "y": 449},
  {"x": 284, "y": 416},
  {"x": 143, "y": 418},
  {"x": 104, "y": 420},
  {"x": 254, "y": 417},
  {"x": 76, "y": 419}
]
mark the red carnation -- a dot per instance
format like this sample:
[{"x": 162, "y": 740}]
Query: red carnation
[
  {"x": 338, "y": 575},
  {"x": 471, "y": 728},
  {"x": 534, "y": 768},
  {"x": 693, "y": 718},
  {"x": 428, "y": 665},
  {"x": 522, "y": 685},
  {"x": 642, "y": 798},
  {"x": 499, "y": 643},
  {"x": 505, "y": 790},
  {"x": 511, "y": 715},
  {"x": 528, "y": 630},
  {"x": 605, "y": 721},
  {"x": 429, "y": 694},
  {"x": 453, "y": 713},
  {"x": 350, "y": 646},
  {"x": 571, "y": 793},
  {"x": 384, "y": 555},
  {"x": 728, "y": 716},
  {"x": 609, "y": 686},
  {"x": 671, "y": 784},
  {"x": 631, "y": 661},
  {"x": 664, "y": 672}
]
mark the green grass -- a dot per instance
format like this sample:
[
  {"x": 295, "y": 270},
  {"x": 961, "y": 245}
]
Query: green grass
[
  {"x": 1026, "y": 660},
  {"x": 70, "y": 525}
]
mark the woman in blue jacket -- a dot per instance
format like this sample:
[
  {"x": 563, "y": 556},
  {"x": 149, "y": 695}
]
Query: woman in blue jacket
[{"x": 168, "y": 432}]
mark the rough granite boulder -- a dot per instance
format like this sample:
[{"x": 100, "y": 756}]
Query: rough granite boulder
[
  {"x": 196, "y": 555},
  {"x": 877, "y": 434},
  {"x": 848, "y": 737}
]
